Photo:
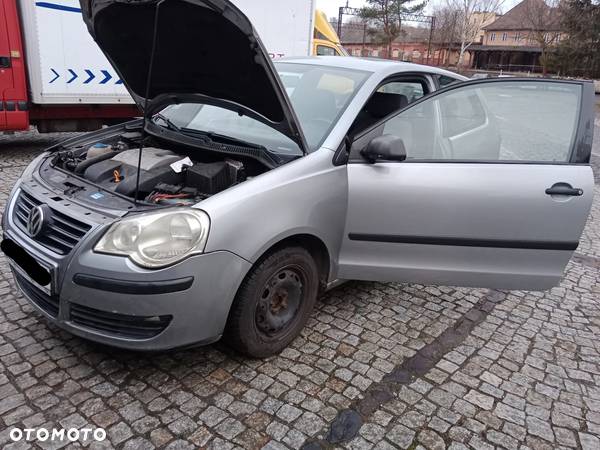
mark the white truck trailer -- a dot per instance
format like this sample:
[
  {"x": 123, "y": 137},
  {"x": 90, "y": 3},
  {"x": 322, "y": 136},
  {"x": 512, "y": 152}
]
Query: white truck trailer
[{"x": 54, "y": 76}]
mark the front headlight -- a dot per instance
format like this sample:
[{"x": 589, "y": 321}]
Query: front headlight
[{"x": 157, "y": 239}]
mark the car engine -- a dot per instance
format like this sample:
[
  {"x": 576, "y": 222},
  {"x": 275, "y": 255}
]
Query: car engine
[{"x": 165, "y": 177}]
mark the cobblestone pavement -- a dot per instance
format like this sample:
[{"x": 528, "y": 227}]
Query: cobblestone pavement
[{"x": 379, "y": 365}]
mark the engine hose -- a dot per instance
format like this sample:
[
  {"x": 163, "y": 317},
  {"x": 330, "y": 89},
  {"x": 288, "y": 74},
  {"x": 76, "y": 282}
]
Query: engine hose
[{"x": 90, "y": 162}]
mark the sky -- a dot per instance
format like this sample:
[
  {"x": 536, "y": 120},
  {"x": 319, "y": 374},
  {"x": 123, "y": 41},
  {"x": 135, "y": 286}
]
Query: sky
[{"x": 331, "y": 6}]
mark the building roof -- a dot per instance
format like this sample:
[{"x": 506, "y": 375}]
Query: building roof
[{"x": 528, "y": 15}]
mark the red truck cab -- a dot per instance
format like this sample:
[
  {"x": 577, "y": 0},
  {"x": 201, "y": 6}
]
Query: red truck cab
[
  {"x": 18, "y": 112},
  {"x": 14, "y": 107}
]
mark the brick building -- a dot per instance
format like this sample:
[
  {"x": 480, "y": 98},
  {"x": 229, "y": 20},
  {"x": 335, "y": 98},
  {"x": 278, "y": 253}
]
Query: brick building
[
  {"x": 517, "y": 39},
  {"x": 411, "y": 46}
]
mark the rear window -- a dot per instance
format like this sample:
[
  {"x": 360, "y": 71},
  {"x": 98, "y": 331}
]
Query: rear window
[{"x": 444, "y": 80}]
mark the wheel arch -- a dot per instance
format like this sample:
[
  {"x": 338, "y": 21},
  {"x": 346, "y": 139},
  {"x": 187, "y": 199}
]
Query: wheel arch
[
  {"x": 234, "y": 326},
  {"x": 313, "y": 244}
]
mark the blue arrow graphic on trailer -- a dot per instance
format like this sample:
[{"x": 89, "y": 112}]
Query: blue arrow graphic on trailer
[
  {"x": 119, "y": 82},
  {"x": 91, "y": 76},
  {"x": 107, "y": 76},
  {"x": 73, "y": 77},
  {"x": 57, "y": 7},
  {"x": 56, "y": 76}
]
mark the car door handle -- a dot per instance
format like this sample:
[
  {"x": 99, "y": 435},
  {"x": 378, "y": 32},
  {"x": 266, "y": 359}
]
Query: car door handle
[{"x": 564, "y": 189}]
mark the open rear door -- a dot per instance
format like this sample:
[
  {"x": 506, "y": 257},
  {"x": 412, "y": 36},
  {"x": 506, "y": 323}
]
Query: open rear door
[{"x": 495, "y": 191}]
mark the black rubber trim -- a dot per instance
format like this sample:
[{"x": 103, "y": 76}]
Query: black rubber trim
[
  {"x": 464, "y": 242},
  {"x": 10, "y": 105},
  {"x": 133, "y": 287},
  {"x": 22, "y": 105}
]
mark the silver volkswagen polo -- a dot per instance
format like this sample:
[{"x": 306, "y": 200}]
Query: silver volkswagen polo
[{"x": 251, "y": 186}]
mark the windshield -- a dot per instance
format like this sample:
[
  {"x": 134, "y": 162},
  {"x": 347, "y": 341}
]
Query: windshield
[{"x": 319, "y": 96}]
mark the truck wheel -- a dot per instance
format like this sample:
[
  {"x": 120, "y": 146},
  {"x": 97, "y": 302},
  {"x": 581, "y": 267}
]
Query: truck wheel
[{"x": 273, "y": 303}]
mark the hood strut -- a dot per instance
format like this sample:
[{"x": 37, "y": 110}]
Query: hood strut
[
  {"x": 148, "y": 85},
  {"x": 246, "y": 82}
]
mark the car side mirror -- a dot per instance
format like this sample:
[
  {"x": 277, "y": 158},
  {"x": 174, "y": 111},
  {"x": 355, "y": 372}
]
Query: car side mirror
[{"x": 387, "y": 147}]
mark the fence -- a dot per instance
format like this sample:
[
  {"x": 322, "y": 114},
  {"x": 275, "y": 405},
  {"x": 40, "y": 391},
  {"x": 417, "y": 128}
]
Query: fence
[{"x": 527, "y": 68}]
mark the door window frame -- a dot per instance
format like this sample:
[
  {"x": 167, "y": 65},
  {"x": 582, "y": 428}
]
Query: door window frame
[
  {"x": 581, "y": 145},
  {"x": 342, "y": 154},
  {"x": 426, "y": 81}
]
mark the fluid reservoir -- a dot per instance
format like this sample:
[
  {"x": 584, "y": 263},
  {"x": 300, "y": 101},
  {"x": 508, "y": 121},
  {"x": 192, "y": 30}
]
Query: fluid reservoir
[{"x": 98, "y": 149}]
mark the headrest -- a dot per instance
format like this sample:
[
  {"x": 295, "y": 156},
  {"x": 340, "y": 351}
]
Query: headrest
[{"x": 382, "y": 104}]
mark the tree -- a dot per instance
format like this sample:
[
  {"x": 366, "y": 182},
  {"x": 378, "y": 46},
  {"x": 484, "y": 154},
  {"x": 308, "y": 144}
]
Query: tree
[
  {"x": 473, "y": 15},
  {"x": 578, "y": 52},
  {"x": 446, "y": 29},
  {"x": 386, "y": 18},
  {"x": 542, "y": 18}
]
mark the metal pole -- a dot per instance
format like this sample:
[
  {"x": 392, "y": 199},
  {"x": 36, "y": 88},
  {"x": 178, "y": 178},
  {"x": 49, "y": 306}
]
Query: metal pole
[
  {"x": 390, "y": 56},
  {"x": 364, "y": 40},
  {"x": 339, "y": 25},
  {"x": 430, "y": 38}
]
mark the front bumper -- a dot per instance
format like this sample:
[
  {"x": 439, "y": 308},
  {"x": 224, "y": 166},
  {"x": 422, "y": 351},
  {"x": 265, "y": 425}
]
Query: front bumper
[{"x": 110, "y": 300}]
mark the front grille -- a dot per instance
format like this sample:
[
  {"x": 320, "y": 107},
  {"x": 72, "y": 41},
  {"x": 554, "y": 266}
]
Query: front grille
[
  {"x": 46, "y": 302},
  {"x": 133, "y": 327},
  {"x": 62, "y": 232}
]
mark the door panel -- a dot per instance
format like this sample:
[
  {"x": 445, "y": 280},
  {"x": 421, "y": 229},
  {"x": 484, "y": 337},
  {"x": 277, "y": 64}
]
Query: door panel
[
  {"x": 481, "y": 225},
  {"x": 468, "y": 210}
]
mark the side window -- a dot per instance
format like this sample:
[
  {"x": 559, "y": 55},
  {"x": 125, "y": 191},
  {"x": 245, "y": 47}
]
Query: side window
[
  {"x": 531, "y": 121},
  {"x": 388, "y": 99},
  {"x": 412, "y": 90},
  {"x": 461, "y": 112},
  {"x": 323, "y": 50},
  {"x": 444, "y": 80}
]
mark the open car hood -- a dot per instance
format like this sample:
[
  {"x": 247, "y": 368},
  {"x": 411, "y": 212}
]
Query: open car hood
[{"x": 206, "y": 52}]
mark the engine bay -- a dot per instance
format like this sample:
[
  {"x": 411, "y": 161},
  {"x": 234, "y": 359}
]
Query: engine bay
[{"x": 168, "y": 175}]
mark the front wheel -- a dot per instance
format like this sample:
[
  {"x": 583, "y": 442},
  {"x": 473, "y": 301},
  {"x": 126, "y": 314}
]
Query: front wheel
[{"x": 273, "y": 303}]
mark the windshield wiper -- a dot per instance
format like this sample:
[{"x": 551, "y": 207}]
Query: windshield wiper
[
  {"x": 167, "y": 121},
  {"x": 222, "y": 137}
]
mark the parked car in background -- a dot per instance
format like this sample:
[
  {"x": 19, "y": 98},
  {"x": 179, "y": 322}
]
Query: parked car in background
[
  {"x": 252, "y": 186},
  {"x": 480, "y": 76}
]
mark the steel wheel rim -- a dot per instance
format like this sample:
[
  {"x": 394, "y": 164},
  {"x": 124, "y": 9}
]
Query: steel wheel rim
[{"x": 279, "y": 301}]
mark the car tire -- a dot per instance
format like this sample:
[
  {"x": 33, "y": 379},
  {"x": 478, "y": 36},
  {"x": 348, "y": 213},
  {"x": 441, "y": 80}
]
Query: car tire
[{"x": 273, "y": 303}]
